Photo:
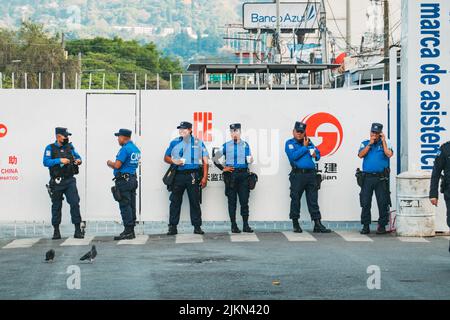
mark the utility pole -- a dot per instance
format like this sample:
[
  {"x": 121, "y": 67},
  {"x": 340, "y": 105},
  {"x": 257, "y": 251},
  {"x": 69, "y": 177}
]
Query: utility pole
[
  {"x": 348, "y": 26},
  {"x": 323, "y": 38},
  {"x": 278, "y": 34},
  {"x": 386, "y": 39}
]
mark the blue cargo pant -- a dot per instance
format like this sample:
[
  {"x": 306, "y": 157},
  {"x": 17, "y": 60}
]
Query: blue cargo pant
[
  {"x": 371, "y": 184},
  {"x": 67, "y": 187},
  {"x": 127, "y": 204},
  {"x": 304, "y": 182}
]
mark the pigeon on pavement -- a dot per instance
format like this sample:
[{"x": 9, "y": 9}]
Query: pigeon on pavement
[
  {"x": 50, "y": 255},
  {"x": 90, "y": 255}
]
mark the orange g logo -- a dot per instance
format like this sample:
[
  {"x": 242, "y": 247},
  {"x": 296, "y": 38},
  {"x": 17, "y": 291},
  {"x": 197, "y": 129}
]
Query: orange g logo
[
  {"x": 3, "y": 130},
  {"x": 330, "y": 140}
]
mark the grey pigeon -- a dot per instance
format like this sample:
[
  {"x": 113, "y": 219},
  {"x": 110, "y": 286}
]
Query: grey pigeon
[
  {"x": 50, "y": 255},
  {"x": 90, "y": 255}
]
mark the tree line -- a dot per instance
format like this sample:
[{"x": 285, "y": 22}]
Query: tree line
[{"x": 61, "y": 63}]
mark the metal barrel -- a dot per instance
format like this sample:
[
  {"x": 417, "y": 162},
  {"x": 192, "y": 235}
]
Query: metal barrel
[{"x": 415, "y": 213}]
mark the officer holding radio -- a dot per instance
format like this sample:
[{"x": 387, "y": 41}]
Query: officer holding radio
[
  {"x": 63, "y": 161},
  {"x": 375, "y": 153},
  {"x": 301, "y": 153}
]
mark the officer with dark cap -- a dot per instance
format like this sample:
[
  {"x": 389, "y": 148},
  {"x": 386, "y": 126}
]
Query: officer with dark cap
[
  {"x": 63, "y": 161},
  {"x": 235, "y": 172},
  {"x": 190, "y": 157},
  {"x": 125, "y": 165},
  {"x": 375, "y": 177},
  {"x": 301, "y": 153},
  {"x": 441, "y": 163}
]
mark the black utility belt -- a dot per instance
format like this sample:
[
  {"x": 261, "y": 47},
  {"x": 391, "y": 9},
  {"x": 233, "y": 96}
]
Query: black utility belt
[
  {"x": 187, "y": 171},
  {"x": 375, "y": 174},
  {"x": 60, "y": 178},
  {"x": 299, "y": 170},
  {"x": 240, "y": 170},
  {"x": 124, "y": 176}
]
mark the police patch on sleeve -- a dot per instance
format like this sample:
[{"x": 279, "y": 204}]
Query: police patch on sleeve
[
  {"x": 438, "y": 153},
  {"x": 47, "y": 153},
  {"x": 291, "y": 147}
]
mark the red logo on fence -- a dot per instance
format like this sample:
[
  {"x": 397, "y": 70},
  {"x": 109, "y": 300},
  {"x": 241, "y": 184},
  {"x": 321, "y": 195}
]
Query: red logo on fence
[
  {"x": 3, "y": 130},
  {"x": 331, "y": 140},
  {"x": 203, "y": 126}
]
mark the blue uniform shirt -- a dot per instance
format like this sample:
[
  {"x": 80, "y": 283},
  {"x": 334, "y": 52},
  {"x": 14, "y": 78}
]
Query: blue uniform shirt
[
  {"x": 299, "y": 156},
  {"x": 49, "y": 162},
  {"x": 236, "y": 154},
  {"x": 129, "y": 155},
  {"x": 375, "y": 161},
  {"x": 192, "y": 150}
]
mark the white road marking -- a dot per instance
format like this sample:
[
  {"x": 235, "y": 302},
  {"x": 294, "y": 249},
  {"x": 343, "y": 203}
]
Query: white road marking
[
  {"x": 243, "y": 237},
  {"x": 139, "y": 240},
  {"x": 354, "y": 236},
  {"x": 412, "y": 239},
  {"x": 188, "y": 238},
  {"x": 305, "y": 236},
  {"x": 21, "y": 243},
  {"x": 77, "y": 242}
]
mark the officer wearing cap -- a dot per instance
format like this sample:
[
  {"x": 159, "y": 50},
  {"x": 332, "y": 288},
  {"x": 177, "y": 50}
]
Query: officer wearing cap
[
  {"x": 190, "y": 157},
  {"x": 302, "y": 153},
  {"x": 124, "y": 170},
  {"x": 375, "y": 153},
  {"x": 441, "y": 163},
  {"x": 235, "y": 172},
  {"x": 63, "y": 161}
]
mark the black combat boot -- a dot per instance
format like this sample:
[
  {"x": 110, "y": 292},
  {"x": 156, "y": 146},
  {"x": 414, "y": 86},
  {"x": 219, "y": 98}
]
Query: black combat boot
[
  {"x": 78, "y": 233},
  {"x": 296, "y": 225},
  {"x": 56, "y": 233},
  {"x": 365, "y": 229},
  {"x": 234, "y": 227},
  {"x": 198, "y": 230},
  {"x": 319, "y": 227},
  {"x": 381, "y": 230},
  {"x": 172, "y": 230},
  {"x": 246, "y": 228},
  {"x": 127, "y": 234}
]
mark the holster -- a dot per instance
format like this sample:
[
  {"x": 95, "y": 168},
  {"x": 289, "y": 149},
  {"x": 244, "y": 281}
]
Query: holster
[
  {"x": 319, "y": 180},
  {"x": 359, "y": 177},
  {"x": 116, "y": 193},
  {"x": 252, "y": 180}
]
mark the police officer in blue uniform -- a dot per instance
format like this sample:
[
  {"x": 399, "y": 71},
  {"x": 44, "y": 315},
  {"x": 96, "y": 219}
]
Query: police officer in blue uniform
[
  {"x": 441, "y": 163},
  {"x": 375, "y": 153},
  {"x": 63, "y": 161},
  {"x": 190, "y": 157},
  {"x": 235, "y": 174},
  {"x": 301, "y": 153},
  {"x": 124, "y": 170}
]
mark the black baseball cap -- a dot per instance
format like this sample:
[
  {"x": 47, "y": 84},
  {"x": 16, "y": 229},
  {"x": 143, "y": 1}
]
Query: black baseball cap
[
  {"x": 124, "y": 133},
  {"x": 62, "y": 131},
  {"x": 185, "y": 125},
  {"x": 376, "y": 127},
  {"x": 300, "y": 126}
]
